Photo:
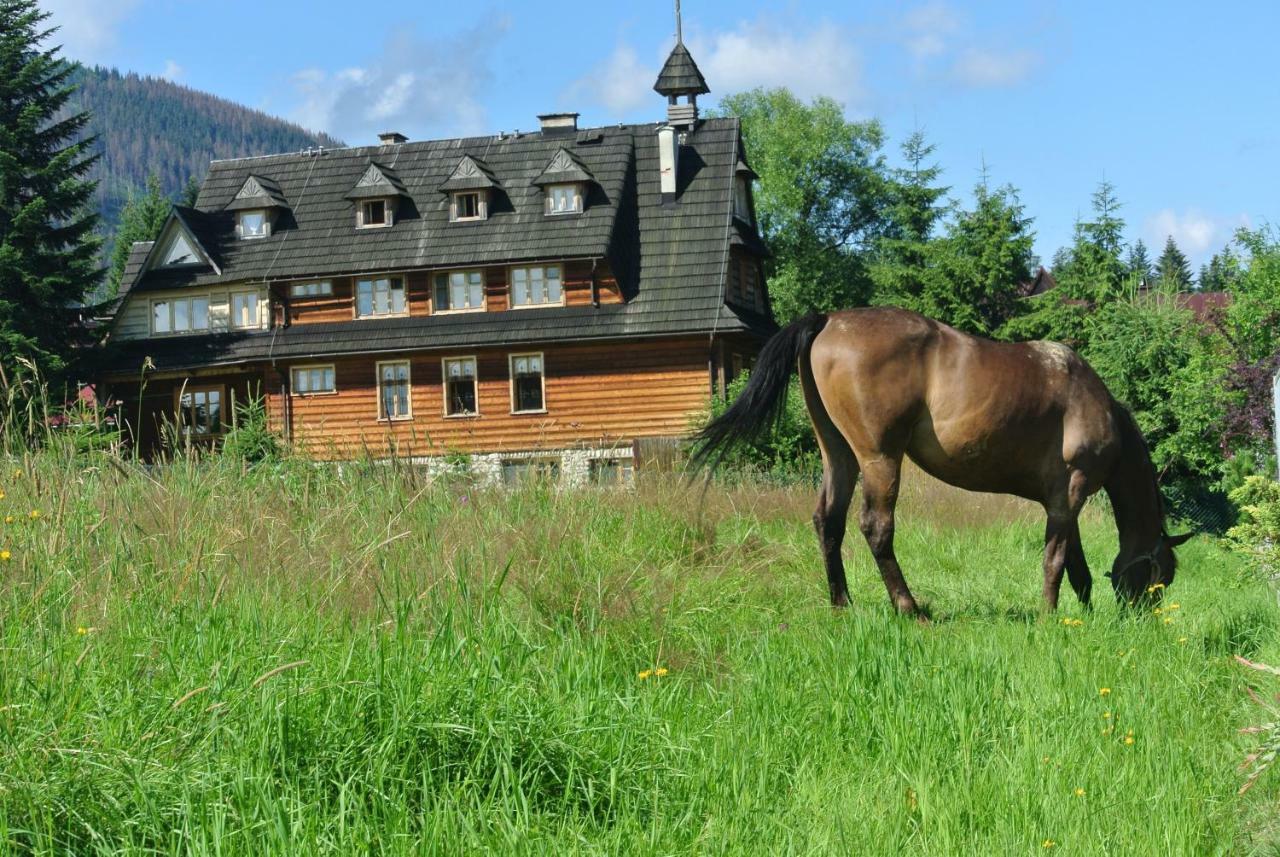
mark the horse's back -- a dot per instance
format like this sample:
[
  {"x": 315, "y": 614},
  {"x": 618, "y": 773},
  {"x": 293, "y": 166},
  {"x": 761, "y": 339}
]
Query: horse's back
[{"x": 985, "y": 415}]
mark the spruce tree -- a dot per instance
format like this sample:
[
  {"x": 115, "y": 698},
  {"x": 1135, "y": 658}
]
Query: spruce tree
[
  {"x": 1222, "y": 272},
  {"x": 48, "y": 251},
  {"x": 1138, "y": 264},
  {"x": 906, "y": 256},
  {"x": 143, "y": 217},
  {"x": 1173, "y": 271}
]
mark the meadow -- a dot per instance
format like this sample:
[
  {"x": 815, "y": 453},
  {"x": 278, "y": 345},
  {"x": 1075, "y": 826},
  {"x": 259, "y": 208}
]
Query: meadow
[{"x": 303, "y": 659}]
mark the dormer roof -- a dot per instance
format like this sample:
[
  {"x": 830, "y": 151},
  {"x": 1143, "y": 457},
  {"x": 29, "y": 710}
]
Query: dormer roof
[
  {"x": 470, "y": 174},
  {"x": 745, "y": 171},
  {"x": 377, "y": 182},
  {"x": 680, "y": 75},
  {"x": 179, "y": 244},
  {"x": 564, "y": 167},
  {"x": 257, "y": 192}
]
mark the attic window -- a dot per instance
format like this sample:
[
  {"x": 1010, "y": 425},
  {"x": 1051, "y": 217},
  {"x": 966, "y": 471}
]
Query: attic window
[
  {"x": 374, "y": 213},
  {"x": 252, "y": 224},
  {"x": 180, "y": 253},
  {"x": 564, "y": 198},
  {"x": 469, "y": 205}
]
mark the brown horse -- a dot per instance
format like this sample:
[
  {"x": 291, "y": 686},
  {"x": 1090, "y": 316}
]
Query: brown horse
[{"x": 1030, "y": 419}]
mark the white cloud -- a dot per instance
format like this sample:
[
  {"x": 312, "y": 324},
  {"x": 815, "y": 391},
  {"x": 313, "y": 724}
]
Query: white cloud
[
  {"x": 621, "y": 84},
  {"x": 821, "y": 60},
  {"x": 987, "y": 68},
  {"x": 422, "y": 88},
  {"x": 1196, "y": 232},
  {"x": 172, "y": 71},
  {"x": 87, "y": 29},
  {"x": 942, "y": 45}
]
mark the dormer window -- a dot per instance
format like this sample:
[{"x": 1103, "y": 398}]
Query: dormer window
[
  {"x": 742, "y": 198},
  {"x": 252, "y": 224},
  {"x": 373, "y": 213},
  {"x": 564, "y": 198},
  {"x": 468, "y": 205}
]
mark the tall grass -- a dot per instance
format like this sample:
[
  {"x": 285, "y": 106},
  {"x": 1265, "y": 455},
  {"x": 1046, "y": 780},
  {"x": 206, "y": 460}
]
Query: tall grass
[{"x": 299, "y": 659}]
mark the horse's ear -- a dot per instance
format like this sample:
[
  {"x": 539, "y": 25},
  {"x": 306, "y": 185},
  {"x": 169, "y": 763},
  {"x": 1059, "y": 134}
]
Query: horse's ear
[{"x": 1174, "y": 541}]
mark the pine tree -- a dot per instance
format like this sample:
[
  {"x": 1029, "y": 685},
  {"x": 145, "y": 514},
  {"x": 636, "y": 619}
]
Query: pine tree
[
  {"x": 143, "y": 217},
  {"x": 48, "y": 252},
  {"x": 905, "y": 257},
  {"x": 986, "y": 254},
  {"x": 1173, "y": 272},
  {"x": 1138, "y": 264},
  {"x": 1221, "y": 273}
]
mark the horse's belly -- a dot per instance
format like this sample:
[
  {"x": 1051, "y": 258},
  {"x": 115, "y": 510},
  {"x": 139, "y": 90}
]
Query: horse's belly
[{"x": 977, "y": 461}]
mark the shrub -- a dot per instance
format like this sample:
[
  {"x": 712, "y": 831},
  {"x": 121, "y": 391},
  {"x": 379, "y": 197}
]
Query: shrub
[
  {"x": 788, "y": 451},
  {"x": 251, "y": 439},
  {"x": 1257, "y": 535}
]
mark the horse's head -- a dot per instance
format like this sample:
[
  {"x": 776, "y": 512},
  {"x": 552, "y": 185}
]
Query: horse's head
[{"x": 1144, "y": 575}]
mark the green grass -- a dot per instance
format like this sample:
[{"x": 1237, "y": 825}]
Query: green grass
[{"x": 463, "y": 675}]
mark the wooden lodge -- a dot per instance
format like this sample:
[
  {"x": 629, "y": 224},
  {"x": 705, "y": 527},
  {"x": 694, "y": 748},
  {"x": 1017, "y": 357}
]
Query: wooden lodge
[{"x": 547, "y": 300}]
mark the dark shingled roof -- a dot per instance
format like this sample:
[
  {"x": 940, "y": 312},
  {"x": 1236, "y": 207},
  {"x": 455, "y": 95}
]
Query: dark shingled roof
[
  {"x": 680, "y": 75},
  {"x": 258, "y": 192},
  {"x": 670, "y": 261},
  {"x": 470, "y": 174}
]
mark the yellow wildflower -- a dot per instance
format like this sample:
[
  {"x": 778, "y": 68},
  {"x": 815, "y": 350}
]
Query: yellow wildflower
[
  {"x": 1104, "y": 691},
  {"x": 8, "y": 519},
  {"x": 1048, "y": 843},
  {"x": 1045, "y": 760},
  {"x": 35, "y": 513},
  {"x": 82, "y": 630},
  {"x": 1182, "y": 639},
  {"x": 1168, "y": 620},
  {"x": 5, "y": 556},
  {"x": 1128, "y": 739},
  {"x": 17, "y": 474},
  {"x": 1106, "y": 715},
  {"x": 660, "y": 672},
  {"x": 1079, "y": 792},
  {"x": 644, "y": 674},
  {"x": 1157, "y": 611},
  {"x": 1174, "y": 606}
]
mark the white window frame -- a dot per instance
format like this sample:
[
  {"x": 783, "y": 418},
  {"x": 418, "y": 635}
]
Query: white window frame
[
  {"x": 511, "y": 280},
  {"x": 448, "y": 275},
  {"x": 171, "y": 301},
  {"x": 444, "y": 385},
  {"x": 455, "y": 207},
  {"x": 312, "y": 367},
  {"x": 408, "y": 386},
  {"x": 375, "y": 279},
  {"x": 233, "y": 321},
  {"x": 542, "y": 378},
  {"x": 388, "y": 213},
  {"x": 572, "y": 187},
  {"x": 266, "y": 224},
  {"x": 323, "y": 289}
]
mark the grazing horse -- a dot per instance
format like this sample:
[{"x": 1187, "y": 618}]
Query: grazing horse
[{"x": 1030, "y": 419}]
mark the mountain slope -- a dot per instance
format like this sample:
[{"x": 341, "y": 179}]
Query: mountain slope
[{"x": 146, "y": 124}]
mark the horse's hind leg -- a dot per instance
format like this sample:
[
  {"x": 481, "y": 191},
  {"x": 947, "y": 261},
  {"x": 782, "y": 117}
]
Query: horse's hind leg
[
  {"x": 839, "y": 475},
  {"x": 880, "y": 480},
  {"x": 830, "y": 519}
]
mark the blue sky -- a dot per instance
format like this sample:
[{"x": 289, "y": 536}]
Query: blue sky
[{"x": 1175, "y": 103}]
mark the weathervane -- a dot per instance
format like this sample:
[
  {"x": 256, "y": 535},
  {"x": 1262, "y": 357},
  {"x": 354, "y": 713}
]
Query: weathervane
[{"x": 679, "y": 29}]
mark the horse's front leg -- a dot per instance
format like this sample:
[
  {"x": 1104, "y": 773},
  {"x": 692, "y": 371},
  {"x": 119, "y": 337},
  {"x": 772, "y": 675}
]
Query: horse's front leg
[{"x": 1078, "y": 569}]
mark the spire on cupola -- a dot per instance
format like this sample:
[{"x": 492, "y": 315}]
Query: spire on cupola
[{"x": 680, "y": 76}]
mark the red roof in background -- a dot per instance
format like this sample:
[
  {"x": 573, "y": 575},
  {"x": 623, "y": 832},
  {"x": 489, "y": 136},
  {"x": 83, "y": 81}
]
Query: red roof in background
[{"x": 1204, "y": 305}]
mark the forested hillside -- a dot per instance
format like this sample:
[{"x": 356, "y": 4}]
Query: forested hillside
[{"x": 147, "y": 124}]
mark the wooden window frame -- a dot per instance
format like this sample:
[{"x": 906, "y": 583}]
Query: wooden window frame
[
  {"x": 307, "y": 394},
  {"x": 547, "y": 467},
  {"x": 388, "y": 213},
  {"x": 626, "y": 471},
  {"x": 373, "y": 278},
  {"x": 449, "y": 272},
  {"x": 231, "y": 309},
  {"x": 742, "y": 194},
  {"x": 192, "y": 389},
  {"x": 482, "y": 206},
  {"x": 266, "y": 224},
  {"x": 444, "y": 386},
  {"x": 377, "y": 386},
  {"x": 151, "y": 315},
  {"x": 579, "y": 199},
  {"x": 511, "y": 286},
  {"x": 325, "y": 292},
  {"x": 542, "y": 377}
]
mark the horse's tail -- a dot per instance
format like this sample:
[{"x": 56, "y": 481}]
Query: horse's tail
[{"x": 759, "y": 406}]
